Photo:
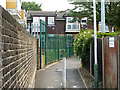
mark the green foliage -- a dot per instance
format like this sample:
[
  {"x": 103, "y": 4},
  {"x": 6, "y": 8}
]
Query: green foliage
[
  {"x": 82, "y": 42},
  {"x": 83, "y": 39},
  {"x": 31, "y": 6},
  {"x": 117, "y": 28},
  {"x": 100, "y": 35}
]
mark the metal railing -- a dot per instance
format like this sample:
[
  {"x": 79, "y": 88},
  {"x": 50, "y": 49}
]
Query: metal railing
[{"x": 52, "y": 47}]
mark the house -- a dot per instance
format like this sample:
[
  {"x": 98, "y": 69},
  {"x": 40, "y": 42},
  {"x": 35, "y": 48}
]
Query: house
[
  {"x": 49, "y": 17},
  {"x": 14, "y": 8},
  {"x": 57, "y": 23}
]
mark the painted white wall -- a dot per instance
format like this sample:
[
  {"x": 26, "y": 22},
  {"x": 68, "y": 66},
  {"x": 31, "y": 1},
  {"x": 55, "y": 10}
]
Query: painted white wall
[
  {"x": 18, "y": 5},
  {"x": 3, "y": 3}
]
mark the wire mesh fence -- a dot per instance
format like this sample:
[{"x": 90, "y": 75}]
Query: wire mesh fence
[
  {"x": 59, "y": 46},
  {"x": 52, "y": 47}
]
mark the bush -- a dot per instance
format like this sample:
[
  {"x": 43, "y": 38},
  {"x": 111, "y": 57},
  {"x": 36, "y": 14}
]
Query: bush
[{"x": 82, "y": 42}]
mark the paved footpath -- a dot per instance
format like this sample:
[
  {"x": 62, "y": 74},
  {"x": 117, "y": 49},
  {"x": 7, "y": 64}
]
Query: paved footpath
[{"x": 51, "y": 76}]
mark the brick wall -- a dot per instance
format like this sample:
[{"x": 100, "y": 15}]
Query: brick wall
[{"x": 18, "y": 58}]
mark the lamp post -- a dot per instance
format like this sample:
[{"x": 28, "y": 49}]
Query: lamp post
[
  {"x": 95, "y": 47},
  {"x": 102, "y": 16}
]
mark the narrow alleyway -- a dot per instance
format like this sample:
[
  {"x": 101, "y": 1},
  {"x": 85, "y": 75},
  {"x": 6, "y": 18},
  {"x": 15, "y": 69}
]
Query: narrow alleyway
[{"x": 51, "y": 76}]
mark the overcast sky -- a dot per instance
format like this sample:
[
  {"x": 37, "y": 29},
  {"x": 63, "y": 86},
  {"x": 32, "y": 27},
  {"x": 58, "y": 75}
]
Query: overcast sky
[{"x": 53, "y": 5}]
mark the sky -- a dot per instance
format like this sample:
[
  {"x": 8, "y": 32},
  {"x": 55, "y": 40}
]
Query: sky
[{"x": 53, "y": 5}]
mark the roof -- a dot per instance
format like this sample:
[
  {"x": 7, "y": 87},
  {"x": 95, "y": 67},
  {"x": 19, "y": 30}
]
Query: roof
[
  {"x": 66, "y": 14},
  {"x": 30, "y": 14},
  {"x": 43, "y": 13},
  {"x": 62, "y": 15},
  {"x": 58, "y": 15}
]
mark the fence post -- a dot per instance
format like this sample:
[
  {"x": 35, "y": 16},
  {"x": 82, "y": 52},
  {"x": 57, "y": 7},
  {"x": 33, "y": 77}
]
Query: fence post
[
  {"x": 118, "y": 62},
  {"x": 23, "y": 25},
  {"x": 55, "y": 49},
  {"x": 72, "y": 45},
  {"x": 34, "y": 29},
  {"x": 37, "y": 32},
  {"x": 65, "y": 46},
  {"x": 90, "y": 58},
  {"x": 58, "y": 48},
  {"x": 64, "y": 72},
  {"x": 45, "y": 43},
  {"x": 26, "y": 26},
  {"x": 31, "y": 28},
  {"x": 69, "y": 45},
  {"x": 40, "y": 44}
]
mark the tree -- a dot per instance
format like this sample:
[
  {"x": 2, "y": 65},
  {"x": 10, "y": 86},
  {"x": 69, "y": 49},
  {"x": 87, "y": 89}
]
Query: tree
[
  {"x": 31, "y": 6},
  {"x": 112, "y": 12}
]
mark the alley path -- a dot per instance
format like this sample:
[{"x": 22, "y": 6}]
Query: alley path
[{"x": 51, "y": 77}]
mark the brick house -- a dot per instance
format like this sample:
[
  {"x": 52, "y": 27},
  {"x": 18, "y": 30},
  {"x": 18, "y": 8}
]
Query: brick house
[{"x": 57, "y": 23}]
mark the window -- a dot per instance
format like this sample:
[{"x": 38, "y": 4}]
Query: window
[
  {"x": 42, "y": 18},
  {"x": 69, "y": 19},
  {"x": 69, "y": 27},
  {"x": 75, "y": 26},
  {"x": 35, "y": 19},
  {"x": 51, "y": 20},
  {"x": 72, "y": 26}
]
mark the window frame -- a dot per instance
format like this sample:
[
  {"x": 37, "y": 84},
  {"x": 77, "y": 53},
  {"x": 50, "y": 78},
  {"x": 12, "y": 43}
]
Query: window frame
[
  {"x": 53, "y": 23},
  {"x": 43, "y": 19},
  {"x": 68, "y": 19},
  {"x": 69, "y": 23},
  {"x": 36, "y": 19},
  {"x": 77, "y": 24}
]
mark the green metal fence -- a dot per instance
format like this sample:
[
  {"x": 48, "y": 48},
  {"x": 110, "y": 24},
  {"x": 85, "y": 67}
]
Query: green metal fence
[
  {"x": 52, "y": 47},
  {"x": 59, "y": 46}
]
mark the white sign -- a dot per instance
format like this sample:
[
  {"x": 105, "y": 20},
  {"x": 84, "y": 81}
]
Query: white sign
[{"x": 111, "y": 41}]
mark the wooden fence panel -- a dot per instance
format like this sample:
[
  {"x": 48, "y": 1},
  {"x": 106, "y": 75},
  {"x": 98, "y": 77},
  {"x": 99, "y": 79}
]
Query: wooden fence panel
[
  {"x": 110, "y": 62},
  {"x": 119, "y": 62}
]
